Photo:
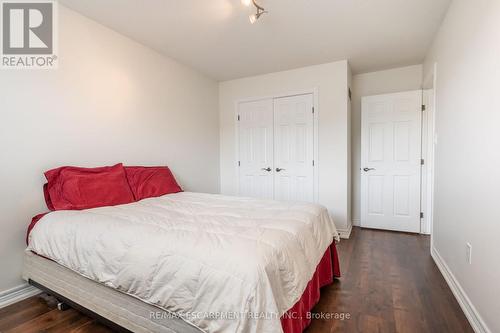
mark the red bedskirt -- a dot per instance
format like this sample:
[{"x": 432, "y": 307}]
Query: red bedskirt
[{"x": 296, "y": 320}]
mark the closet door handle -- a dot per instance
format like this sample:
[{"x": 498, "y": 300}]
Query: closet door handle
[
  {"x": 268, "y": 169},
  {"x": 279, "y": 169}
]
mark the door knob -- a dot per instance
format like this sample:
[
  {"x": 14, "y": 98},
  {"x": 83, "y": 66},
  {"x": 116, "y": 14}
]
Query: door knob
[
  {"x": 368, "y": 169},
  {"x": 268, "y": 169},
  {"x": 279, "y": 169}
]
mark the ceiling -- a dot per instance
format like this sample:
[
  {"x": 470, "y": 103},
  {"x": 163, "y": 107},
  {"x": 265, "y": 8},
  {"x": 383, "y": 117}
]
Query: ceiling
[{"x": 216, "y": 38}]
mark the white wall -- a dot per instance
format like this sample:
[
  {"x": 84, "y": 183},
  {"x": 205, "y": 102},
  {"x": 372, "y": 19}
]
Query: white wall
[
  {"x": 111, "y": 100},
  {"x": 331, "y": 80},
  {"x": 382, "y": 82},
  {"x": 467, "y": 164}
]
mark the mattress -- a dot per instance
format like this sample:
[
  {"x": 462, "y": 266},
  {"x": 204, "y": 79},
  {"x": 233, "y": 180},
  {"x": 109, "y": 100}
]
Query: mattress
[
  {"x": 120, "y": 308},
  {"x": 218, "y": 261}
]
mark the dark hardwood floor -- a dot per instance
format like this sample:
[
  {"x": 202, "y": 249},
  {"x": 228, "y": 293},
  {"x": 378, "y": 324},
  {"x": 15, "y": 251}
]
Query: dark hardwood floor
[{"x": 389, "y": 284}]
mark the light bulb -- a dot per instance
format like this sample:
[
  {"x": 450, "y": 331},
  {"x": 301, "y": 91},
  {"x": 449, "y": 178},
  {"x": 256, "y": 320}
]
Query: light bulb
[
  {"x": 252, "y": 18},
  {"x": 246, "y": 2}
]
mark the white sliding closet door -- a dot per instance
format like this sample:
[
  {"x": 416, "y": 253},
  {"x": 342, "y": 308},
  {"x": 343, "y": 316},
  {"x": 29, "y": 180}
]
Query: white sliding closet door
[
  {"x": 294, "y": 148},
  {"x": 256, "y": 149}
]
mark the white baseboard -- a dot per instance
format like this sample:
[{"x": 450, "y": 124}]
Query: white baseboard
[
  {"x": 345, "y": 233},
  {"x": 475, "y": 320},
  {"x": 356, "y": 222},
  {"x": 17, "y": 294}
]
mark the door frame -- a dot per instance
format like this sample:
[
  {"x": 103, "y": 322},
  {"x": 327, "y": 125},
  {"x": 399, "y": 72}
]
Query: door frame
[
  {"x": 427, "y": 172},
  {"x": 314, "y": 92},
  {"x": 430, "y": 99}
]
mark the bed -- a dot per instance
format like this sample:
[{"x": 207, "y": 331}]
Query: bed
[{"x": 188, "y": 262}]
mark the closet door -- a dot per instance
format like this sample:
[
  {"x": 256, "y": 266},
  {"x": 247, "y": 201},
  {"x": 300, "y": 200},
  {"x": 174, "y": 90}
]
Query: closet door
[
  {"x": 293, "y": 148},
  {"x": 256, "y": 149}
]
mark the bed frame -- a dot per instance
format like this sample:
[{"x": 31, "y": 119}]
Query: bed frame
[
  {"x": 63, "y": 302},
  {"x": 117, "y": 310}
]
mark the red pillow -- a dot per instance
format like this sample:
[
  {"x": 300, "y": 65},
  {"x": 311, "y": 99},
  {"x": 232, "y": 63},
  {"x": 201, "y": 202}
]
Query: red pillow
[
  {"x": 46, "y": 195},
  {"x": 148, "y": 182},
  {"x": 73, "y": 188}
]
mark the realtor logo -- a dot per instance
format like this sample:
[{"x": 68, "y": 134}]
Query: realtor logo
[{"x": 28, "y": 31}]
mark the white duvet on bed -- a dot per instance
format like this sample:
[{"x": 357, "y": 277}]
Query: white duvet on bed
[{"x": 220, "y": 261}]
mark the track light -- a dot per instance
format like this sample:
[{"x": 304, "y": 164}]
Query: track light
[{"x": 260, "y": 10}]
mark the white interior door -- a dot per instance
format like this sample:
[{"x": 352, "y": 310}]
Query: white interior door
[
  {"x": 390, "y": 161},
  {"x": 256, "y": 149},
  {"x": 294, "y": 148}
]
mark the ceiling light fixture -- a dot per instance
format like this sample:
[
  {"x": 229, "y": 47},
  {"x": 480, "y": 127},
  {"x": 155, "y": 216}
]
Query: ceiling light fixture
[{"x": 260, "y": 10}]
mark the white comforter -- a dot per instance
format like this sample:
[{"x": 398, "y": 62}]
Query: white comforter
[{"x": 207, "y": 257}]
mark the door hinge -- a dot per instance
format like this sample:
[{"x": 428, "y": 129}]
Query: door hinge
[
  {"x": 238, "y": 117},
  {"x": 239, "y": 163},
  {"x": 423, "y": 107},
  {"x": 313, "y": 162},
  {"x": 422, "y": 161},
  {"x": 421, "y": 215},
  {"x": 313, "y": 109}
]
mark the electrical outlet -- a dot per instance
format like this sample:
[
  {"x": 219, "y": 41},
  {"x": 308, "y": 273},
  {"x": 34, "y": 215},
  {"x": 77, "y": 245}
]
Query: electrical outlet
[{"x": 468, "y": 252}]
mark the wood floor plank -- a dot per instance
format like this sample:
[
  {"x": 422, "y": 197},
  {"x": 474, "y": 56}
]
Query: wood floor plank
[
  {"x": 389, "y": 284},
  {"x": 92, "y": 327},
  {"x": 44, "y": 322},
  {"x": 16, "y": 314},
  {"x": 71, "y": 323}
]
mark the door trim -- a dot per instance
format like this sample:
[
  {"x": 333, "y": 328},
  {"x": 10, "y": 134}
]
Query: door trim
[
  {"x": 314, "y": 92},
  {"x": 428, "y": 142},
  {"x": 430, "y": 85}
]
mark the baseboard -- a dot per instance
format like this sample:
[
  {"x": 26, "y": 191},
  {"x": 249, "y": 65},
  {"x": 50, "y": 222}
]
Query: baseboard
[
  {"x": 475, "y": 320},
  {"x": 356, "y": 222},
  {"x": 345, "y": 233},
  {"x": 17, "y": 294}
]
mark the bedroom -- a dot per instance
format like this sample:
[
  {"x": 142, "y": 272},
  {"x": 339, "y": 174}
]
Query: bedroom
[{"x": 209, "y": 89}]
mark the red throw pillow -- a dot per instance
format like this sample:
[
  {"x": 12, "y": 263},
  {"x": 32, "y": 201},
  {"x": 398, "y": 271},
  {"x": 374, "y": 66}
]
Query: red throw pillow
[
  {"x": 74, "y": 188},
  {"x": 46, "y": 195},
  {"x": 148, "y": 182}
]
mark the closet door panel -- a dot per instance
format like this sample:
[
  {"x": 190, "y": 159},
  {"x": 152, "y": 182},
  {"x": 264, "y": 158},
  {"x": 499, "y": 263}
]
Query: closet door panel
[
  {"x": 256, "y": 147},
  {"x": 293, "y": 148}
]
